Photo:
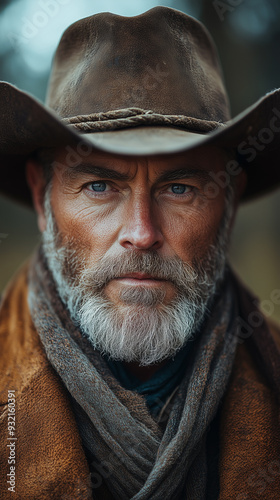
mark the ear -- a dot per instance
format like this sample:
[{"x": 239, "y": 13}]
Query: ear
[{"x": 37, "y": 183}]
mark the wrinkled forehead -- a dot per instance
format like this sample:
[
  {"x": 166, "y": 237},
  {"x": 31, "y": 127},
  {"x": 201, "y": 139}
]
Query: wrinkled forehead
[{"x": 69, "y": 159}]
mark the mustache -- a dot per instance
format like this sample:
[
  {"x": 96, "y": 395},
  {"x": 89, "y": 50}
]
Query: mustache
[{"x": 183, "y": 276}]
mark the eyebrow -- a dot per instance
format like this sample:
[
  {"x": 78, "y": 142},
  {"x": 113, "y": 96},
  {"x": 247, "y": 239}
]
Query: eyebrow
[
  {"x": 184, "y": 172},
  {"x": 108, "y": 173},
  {"x": 88, "y": 168}
]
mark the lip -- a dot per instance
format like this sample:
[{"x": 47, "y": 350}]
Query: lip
[
  {"x": 136, "y": 279},
  {"x": 139, "y": 276}
]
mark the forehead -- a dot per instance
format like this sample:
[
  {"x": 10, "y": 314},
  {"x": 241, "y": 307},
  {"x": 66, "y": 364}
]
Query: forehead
[{"x": 207, "y": 159}]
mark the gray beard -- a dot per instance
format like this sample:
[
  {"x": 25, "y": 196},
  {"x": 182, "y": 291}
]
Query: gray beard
[{"x": 146, "y": 330}]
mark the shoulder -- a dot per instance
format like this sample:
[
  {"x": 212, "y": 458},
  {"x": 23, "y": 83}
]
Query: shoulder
[{"x": 21, "y": 353}]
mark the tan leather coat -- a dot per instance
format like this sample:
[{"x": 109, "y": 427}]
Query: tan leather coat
[{"x": 46, "y": 448}]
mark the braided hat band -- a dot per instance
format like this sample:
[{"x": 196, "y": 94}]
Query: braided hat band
[{"x": 135, "y": 117}]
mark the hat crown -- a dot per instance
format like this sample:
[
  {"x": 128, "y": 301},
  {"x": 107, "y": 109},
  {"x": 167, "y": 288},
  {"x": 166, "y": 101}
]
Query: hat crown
[{"x": 162, "y": 60}]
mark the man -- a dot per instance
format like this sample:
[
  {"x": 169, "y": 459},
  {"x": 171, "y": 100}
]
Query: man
[{"x": 134, "y": 364}]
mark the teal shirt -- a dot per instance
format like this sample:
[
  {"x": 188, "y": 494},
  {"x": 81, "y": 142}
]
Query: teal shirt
[{"x": 163, "y": 382}]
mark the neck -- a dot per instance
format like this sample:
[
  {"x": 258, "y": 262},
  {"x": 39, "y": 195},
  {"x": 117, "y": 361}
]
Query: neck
[{"x": 143, "y": 373}]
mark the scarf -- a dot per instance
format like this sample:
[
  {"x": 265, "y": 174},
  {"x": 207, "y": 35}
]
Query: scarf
[
  {"x": 142, "y": 460},
  {"x": 161, "y": 386}
]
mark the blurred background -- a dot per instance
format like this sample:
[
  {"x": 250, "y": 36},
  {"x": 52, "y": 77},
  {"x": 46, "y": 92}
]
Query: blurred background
[{"x": 247, "y": 33}]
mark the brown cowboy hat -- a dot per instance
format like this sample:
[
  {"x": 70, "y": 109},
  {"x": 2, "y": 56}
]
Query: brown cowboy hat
[{"x": 143, "y": 85}]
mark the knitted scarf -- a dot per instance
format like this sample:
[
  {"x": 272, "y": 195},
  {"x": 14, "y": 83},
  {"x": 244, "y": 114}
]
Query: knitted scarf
[{"x": 142, "y": 460}]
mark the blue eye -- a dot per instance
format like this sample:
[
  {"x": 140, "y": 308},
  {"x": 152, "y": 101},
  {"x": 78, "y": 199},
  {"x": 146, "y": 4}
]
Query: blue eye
[
  {"x": 178, "y": 188},
  {"x": 98, "y": 186}
]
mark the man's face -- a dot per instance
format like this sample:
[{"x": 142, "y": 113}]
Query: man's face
[
  {"x": 111, "y": 205},
  {"x": 152, "y": 223}
]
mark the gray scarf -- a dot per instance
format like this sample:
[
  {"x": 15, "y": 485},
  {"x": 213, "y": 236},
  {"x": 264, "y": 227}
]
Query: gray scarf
[{"x": 141, "y": 460}]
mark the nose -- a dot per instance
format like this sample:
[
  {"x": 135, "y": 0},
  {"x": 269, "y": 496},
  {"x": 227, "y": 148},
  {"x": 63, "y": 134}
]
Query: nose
[{"x": 141, "y": 229}]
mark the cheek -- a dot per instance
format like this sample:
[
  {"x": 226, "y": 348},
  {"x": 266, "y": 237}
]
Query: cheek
[
  {"x": 192, "y": 231},
  {"x": 94, "y": 231}
]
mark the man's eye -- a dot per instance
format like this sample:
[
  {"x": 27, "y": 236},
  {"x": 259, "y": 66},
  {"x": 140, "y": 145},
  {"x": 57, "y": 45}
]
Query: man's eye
[
  {"x": 179, "y": 188},
  {"x": 98, "y": 186}
]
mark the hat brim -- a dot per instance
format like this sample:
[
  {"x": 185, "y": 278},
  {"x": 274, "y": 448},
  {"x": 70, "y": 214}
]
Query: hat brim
[{"x": 27, "y": 125}]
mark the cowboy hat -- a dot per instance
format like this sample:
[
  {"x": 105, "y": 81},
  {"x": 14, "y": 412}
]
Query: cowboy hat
[{"x": 144, "y": 85}]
